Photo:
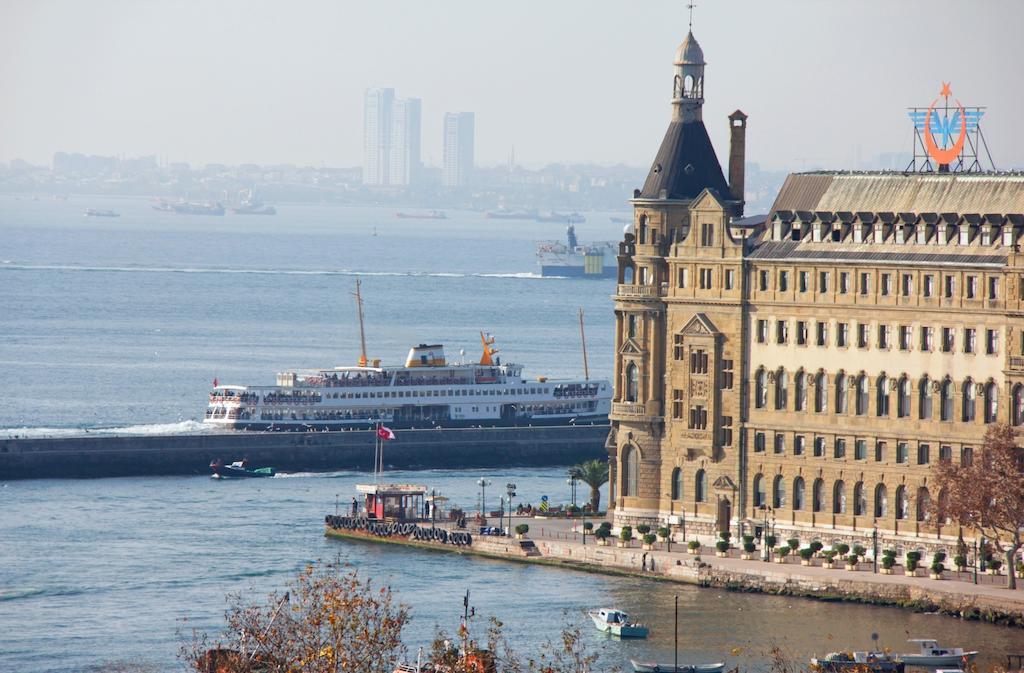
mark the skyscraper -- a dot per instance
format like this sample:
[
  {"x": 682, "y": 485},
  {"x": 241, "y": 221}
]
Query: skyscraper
[
  {"x": 458, "y": 148},
  {"x": 404, "y": 153},
  {"x": 391, "y": 138}
]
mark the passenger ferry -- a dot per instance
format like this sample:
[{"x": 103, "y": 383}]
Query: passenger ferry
[{"x": 428, "y": 392}]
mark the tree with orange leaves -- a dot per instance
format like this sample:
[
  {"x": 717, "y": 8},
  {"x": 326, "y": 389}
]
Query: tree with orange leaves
[{"x": 987, "y": 494}]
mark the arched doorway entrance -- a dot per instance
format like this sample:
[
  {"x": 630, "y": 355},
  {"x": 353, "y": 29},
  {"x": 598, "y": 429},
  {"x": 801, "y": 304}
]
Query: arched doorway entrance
[{"x": 724, "y": 515}]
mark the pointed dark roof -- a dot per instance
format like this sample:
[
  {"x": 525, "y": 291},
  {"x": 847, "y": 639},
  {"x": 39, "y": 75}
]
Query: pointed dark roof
[{"x": 685, "y": 165}]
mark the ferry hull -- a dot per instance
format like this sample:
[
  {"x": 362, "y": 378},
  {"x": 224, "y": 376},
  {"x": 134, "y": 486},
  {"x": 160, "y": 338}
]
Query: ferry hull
[
  {"x": 328, "y": 426},
  {"x": 576, "y": 271}
]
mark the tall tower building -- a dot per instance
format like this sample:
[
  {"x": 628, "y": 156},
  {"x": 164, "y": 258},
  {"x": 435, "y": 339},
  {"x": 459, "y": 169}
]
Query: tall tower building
[
  {"x": 404, "y": 152},
  {"x": 377, "y": 106},
  {"x": 458, "y": 148}
]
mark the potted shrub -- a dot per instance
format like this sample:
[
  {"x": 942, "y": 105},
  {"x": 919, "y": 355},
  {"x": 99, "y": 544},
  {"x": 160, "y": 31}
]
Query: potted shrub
[
  {"x": 851, "y": 561},
  {"x": 748, "y": 549},
  {"x": 769, "y": 541},
  {"x": 914, "y": 556},
  {"x": 887, "y": 563},
  {"x": 602, "y": 535},
  {"x": 939, "y": 557},
  {"x": 780, "y": 554},
  {"x": 693, "y": 546},
  {"x": 994, "y": 565},
  {"x": 664, "y": 533},
  {"x": 842, "y": 549},
  {"x": 936, "y": 570},
  {"x": 816, "y": 547},
  {"x": 625, "y": 536},
  {"x": 747, "y": 538},
  {"x": 722, "y": 547},
  {"x": 649, "y": 540},
  {"x": 806, "y": 554},
  {"x": 860, "y": 550},
  {"x": 829, "y": 556},
  {"x": 794, "y": 544},
  {"x": 910, "y": 567},
  {"x": 960, "y": 561},
  {"x": 643, "y": 529},
  {"x": 521, "y": 530},
  {"x": 588, "y": 526}
]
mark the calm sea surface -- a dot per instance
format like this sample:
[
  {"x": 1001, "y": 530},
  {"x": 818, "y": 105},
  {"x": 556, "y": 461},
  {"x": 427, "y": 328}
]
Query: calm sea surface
[{"x": 123, "y": 323}]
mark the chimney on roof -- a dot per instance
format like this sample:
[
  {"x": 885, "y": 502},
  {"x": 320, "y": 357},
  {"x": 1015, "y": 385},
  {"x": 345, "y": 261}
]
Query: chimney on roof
[{"x": 737, "y": 155}]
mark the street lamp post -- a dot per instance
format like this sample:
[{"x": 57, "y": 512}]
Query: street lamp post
[
  {"x": 874, "y": 544},
  {"x": 764, "y": 534},
  {"x": 571, "y": 481},
  {"x": 976, "y": 559},
  {"x": 483, "y": 483},
  {"x": 510, "y": 489}
]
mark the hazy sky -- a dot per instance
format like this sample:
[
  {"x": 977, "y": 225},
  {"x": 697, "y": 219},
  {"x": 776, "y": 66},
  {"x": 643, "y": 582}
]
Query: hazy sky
[{"x": 825, "y": 83}]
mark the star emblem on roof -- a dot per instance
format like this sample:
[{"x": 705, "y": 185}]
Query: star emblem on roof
[{"x": 946, "y": 92}]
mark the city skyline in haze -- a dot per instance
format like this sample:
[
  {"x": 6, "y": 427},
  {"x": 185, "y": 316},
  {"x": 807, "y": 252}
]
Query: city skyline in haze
[{"x": 825, "y": 84}]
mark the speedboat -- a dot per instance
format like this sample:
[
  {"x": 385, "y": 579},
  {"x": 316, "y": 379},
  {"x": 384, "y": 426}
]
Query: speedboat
[
  {"x": 933, "y": 656},
  {"x": 239, "y": 470},
  {"x": 873, "y": 662},
  {"x": 652, "y": 667},
  {"x": 616, "y": 622}
]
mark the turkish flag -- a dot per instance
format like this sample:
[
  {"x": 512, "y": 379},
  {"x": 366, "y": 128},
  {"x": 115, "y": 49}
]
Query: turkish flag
[
  {"x": 385, "y": 433},
  {"x": 215, "y": 383}
]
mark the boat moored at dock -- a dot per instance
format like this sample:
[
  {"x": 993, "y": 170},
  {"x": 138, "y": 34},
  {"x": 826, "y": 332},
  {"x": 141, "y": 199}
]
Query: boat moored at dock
[
  {"x": 617, "y": 623},
  {"x": 931, "y": 655}
]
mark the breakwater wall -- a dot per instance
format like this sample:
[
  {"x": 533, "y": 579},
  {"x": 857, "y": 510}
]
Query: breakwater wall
[{"x": 116, "y": 456}]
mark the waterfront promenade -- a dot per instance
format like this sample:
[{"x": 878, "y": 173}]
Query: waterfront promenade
[{"x": 558, "y": 542}]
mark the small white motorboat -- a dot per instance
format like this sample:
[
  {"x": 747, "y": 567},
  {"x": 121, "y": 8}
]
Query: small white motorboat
[
  {"x": 616, "y": 622},
  {"x": 652, "y": 667},
  {"x": 931, "y": 655}
]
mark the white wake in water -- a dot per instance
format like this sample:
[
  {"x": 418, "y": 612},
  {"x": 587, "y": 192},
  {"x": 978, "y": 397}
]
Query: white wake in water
[{"x": 181, "y": 428}]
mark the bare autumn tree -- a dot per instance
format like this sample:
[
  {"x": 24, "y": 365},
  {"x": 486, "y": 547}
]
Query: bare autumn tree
[
  {"x": 327, "y": 621},
  {"x": 987, "y": 494}
]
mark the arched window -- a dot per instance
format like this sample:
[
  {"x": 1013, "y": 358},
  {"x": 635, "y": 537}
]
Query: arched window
[
  {"x": 821, "y": 393},
  {"x": 759, "y": 499},
  {"x": 902, "y": 506},
  {"x": 839, "y": 498},
  {"x": 944, "y": 506},
  {"x": 700, "y": 486},
  {"x": 801, "y": 391},
  {"x": 781, "y": 399},
  {"x": 969, "y": 401},
  {"x": 798, "y": 493},
  {"x": 677, "y": 87},
  {"x": 903, "y": 398},
  {"x": 946, "y": 400},
  {"x": 779, "y": 492},
  {"x": 761, "y": 389},
  {"x": 882, "y": 402},
  {"x": 818, "y": 495},
  {"x": 1018, "y": 405},
  {"x": 677, "y": 484},
  {"x": 924, "y": 391},
  {"x": 841, "y": 393},
  {"x": 630, "y": 471},
  {"x": 863, "y": 392},
  {"x": 627, "y": 275},
  {"x": 881, "y": 501},
  {"x": 860, "y": 502},
  {"x": 924, "y": 504},
  {"x": 632, "y": 382},
  {"x": 991, "y": 402}
]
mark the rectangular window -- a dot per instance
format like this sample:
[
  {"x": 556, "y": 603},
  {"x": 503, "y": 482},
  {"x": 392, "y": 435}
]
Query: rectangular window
[
  {"x": 844, "y": 282},
  {"x": 923, "y": 457},
  {"x": 862, "y": 335},
  {"x": 907, "y": 285},
  {"x": 993, "y": 287},
  {"x": 948, "y": 283},
  {"x": 991, "y": 342},
  {"x": 823, "y": 281},
  {"x": 879, "y": 452},
  {"x": 803, "y": 281},
  {"x": 886, "y": 287},
  {"x": 698, "y": 418},
  {"x": 840, "y": 448},
  {"x": 902, "y": 452},
  {"x": 762, "y": 331},
  {"x": 707, "y": 234},
  {"x": 683, "y": 273},
  {"x": 783, "y": 281},
  {"x": 780, "y": 443},
  {"x": 927, "y": 334},
  {"x": 970, "y": 338},
  {"x": 762, "y": 281},
  {"x": 946, "y": 453},
  {"x": 929, "y": 285},
  {"x": 904, "y": 337},
  {"x": 798, "y": 445},
  {"x": 699, "y": 361},
  {"x": 842, "y": 335},
  {"x": 972, "y": 287},
  {"x": 726, "y": 430},
  {"x": 801, "y": 332},
  {"x": 726, "y": 380},
  {"x": 947, "y": 339},
  {"x": 677, "y": 403},
  {"x": 860, "y": 449},
  {"x": 678, "y": 350},
  {"x": 865, "y": 284},
  {"x": 759, "y": 442},
  {"x": 730, "y": 279},
  {"x": 884, "y": 336},
  {"x": 966, "y": 456},
  {"x": 822, "y": 333},
  {"x": 819, "y": 447},
  {"x": 781, "y": 331},
  {"x": 705, "y": 279}
]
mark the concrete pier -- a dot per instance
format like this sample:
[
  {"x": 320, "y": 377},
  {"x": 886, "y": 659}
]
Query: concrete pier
[{"x": 116, "y": 456}]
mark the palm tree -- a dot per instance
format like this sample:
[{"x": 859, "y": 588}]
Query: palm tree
[{"x": 593, "y": 473}]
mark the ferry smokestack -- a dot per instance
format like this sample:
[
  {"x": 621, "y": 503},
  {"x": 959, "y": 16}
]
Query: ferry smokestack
[{"x": 737, "y": 155}]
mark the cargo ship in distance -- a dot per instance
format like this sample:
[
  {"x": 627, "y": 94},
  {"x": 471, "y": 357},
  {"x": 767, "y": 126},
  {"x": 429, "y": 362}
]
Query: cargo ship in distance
[
  {"x": 427, "y": 392},
  {"x": 570, "y": 259}
]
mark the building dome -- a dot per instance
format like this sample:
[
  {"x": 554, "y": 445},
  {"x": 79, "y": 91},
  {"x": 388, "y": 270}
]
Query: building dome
[{"x": 689, "y": 52}]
